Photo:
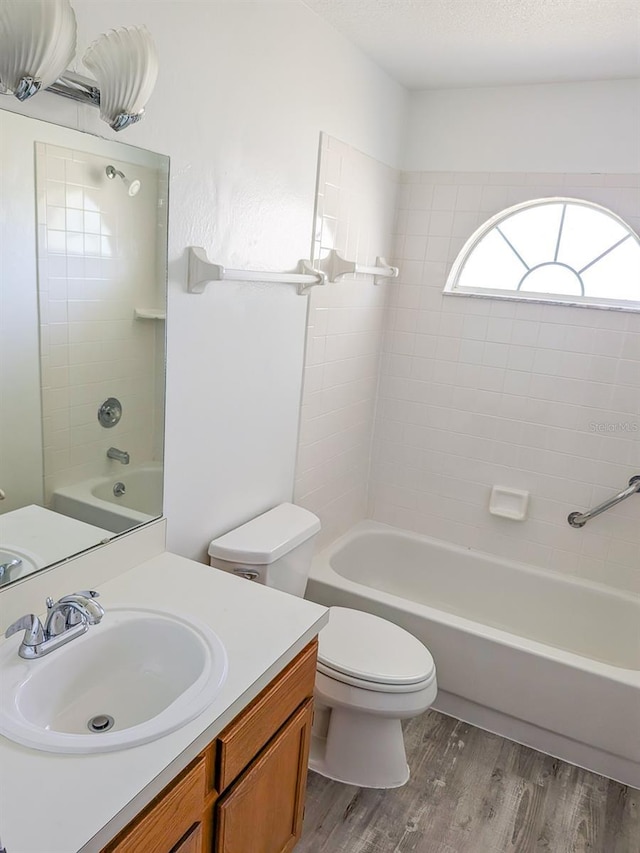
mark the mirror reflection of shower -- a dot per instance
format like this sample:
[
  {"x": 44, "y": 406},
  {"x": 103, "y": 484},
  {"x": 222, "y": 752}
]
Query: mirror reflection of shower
[{"x": 133, "y": 187}]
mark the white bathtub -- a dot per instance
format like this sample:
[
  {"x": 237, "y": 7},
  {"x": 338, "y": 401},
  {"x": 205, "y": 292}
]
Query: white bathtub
[
  {"x": 94, "y": 502},
  {"x": 543, "y": 659}
]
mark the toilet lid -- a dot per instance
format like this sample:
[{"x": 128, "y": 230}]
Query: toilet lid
[{"x": 372, "y": 649}]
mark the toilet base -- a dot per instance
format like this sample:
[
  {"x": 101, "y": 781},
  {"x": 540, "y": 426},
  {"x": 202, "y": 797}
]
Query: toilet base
[{"x": 359, "y": 749}]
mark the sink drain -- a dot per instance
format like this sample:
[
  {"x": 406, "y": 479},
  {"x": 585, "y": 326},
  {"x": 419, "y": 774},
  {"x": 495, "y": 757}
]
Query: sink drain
[{"x": 100, "y": 723}]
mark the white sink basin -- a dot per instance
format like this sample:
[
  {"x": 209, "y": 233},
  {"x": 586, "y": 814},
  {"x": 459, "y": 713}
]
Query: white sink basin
[{"x": 150, "y": 671}]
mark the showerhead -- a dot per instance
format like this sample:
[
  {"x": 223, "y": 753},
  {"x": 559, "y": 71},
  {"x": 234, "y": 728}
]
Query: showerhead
[{"x": 133, "y": 187}]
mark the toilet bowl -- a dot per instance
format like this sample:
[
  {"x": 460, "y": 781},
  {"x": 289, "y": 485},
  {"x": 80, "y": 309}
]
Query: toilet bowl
[{"x": 371, "y": 673}]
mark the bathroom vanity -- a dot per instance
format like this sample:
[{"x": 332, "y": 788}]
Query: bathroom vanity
[{"x": 231, "y": 780}]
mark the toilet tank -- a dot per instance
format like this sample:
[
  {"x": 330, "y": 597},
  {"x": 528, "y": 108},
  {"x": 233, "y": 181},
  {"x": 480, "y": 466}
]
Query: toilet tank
[{"x": 274, "y": 548}]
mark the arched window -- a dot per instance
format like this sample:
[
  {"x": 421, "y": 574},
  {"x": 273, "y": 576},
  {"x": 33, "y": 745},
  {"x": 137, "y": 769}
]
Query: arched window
[{"x": 552, "y": 250}]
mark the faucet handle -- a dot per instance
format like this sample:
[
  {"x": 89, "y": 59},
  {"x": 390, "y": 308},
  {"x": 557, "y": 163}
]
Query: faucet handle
[
  {"x": 82, "y": 593},
  {"x": 31, "y": 625},
  {"x": 82, "y": 602}
]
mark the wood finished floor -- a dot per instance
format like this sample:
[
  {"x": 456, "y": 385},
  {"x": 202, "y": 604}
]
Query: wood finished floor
[{"x": 473, "y": 792}]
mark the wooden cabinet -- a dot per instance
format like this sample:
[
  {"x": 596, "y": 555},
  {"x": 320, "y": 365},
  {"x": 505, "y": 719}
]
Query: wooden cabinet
[{"x": 245, "y": 792}]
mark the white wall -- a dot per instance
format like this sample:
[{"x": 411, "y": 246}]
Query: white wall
[
  {"x": 555, "y": 127},
  {"x": 244, "y": 90}
]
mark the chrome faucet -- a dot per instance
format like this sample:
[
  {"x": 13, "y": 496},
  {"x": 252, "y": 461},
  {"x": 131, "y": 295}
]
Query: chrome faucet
[
  {"x": 71, "y": 610},
  {"x": 66, "y": 619},
  {"x": 7, "y": 563},
  {"x": 120, "y": 455}
]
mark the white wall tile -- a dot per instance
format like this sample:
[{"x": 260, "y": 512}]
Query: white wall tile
[{"x": 540, "y": 397}]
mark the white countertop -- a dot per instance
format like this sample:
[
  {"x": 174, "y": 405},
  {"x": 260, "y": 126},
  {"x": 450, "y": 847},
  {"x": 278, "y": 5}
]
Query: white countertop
[{"x": 77, "y": 803}]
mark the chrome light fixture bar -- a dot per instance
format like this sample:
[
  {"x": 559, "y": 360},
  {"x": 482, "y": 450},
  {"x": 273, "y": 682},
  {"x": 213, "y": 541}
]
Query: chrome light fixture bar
[
  {"x": 38, "y": 41},
  {"x": 77, "y": 88}
]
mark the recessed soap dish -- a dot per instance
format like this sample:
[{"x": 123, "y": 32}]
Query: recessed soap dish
[{"x": 509, "y": 503}]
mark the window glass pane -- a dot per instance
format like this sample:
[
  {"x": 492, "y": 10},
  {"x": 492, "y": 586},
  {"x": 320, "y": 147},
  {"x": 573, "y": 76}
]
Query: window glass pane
[
  {"x": 492, "y": 264},
  {"x": 586, "y": 234},
  {"x": 533, "y": 232},
  {"x": 559, "y": 250},
  {"x": 617, "y": 275},
  {"x": 552, "y": 278}
]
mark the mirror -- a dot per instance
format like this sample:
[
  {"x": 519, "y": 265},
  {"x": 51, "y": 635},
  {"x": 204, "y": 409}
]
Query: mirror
[{"x": 83, "y": 248}]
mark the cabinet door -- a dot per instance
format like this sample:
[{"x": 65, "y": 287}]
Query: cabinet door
[
  {"x": 262, "y": 812},
  {"x": 192, "y": 843}
]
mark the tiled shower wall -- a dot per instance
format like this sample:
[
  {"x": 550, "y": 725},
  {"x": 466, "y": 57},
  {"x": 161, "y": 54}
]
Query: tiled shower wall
[
  {"x": 355, "y": 205},
  {"x": 97, "y": 262},
  {"x": 477, "y": 392}
]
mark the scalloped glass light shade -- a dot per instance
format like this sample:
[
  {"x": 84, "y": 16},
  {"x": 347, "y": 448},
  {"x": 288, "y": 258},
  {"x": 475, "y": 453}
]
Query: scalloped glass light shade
[
  {"x": 125, "y": 65},
  {"x": 37, "y": 39}
]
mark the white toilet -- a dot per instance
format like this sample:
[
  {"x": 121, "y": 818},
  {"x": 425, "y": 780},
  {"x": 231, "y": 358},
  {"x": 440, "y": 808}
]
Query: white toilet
[{"x": 371, "y": 673}]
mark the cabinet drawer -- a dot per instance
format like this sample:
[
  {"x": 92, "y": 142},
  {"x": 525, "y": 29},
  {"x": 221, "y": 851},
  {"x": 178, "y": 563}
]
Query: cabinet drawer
[
  {"x": 254, "y": 727},
  {"x": 167, "y": 818}
]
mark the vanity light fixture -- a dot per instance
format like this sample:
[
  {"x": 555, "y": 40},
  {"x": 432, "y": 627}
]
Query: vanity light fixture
[{"x": 38, "y": 42}]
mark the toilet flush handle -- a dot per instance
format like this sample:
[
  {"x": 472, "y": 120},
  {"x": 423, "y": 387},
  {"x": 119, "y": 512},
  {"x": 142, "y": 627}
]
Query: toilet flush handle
[{"x": 247, "y": 574}]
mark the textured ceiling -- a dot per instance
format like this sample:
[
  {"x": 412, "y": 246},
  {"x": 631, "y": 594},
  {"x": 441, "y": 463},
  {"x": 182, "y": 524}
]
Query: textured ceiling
[{"x": 443, "y": 43}]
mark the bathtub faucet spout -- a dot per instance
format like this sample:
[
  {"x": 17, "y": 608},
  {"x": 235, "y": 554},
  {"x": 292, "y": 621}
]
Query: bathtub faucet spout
[{"x": 120, "y": 455}]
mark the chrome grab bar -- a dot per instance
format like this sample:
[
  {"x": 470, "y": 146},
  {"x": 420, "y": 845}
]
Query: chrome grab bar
[{"x": 579, "y": 519}]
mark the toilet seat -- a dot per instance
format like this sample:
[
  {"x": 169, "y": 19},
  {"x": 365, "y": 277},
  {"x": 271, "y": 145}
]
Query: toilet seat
[
  {"x": 376, "y": 686},
  {"x": 365, "y": 651}
]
